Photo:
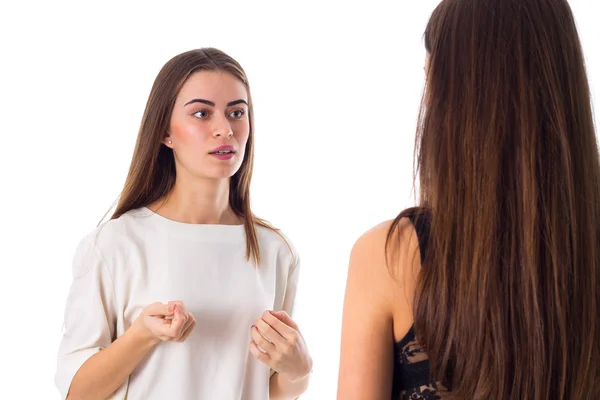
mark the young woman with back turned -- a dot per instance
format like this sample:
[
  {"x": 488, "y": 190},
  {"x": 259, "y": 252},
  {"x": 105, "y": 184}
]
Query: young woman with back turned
[
  {"x": 490, "y": 288},
  {"x": 184, "y": 293}
]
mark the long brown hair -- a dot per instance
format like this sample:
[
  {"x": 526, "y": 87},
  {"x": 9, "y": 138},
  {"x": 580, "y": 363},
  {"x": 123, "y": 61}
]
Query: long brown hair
[
  {"x": 507, "y": 304},
  {"x": 152, "y": 171}
]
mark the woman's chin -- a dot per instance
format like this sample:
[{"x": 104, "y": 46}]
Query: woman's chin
[{"x": 220, "y": 173}]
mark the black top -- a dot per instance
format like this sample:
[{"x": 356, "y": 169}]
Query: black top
[{"x": 412, "y": 379}]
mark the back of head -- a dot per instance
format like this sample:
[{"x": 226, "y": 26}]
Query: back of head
[{"x": 508, "y": 302}]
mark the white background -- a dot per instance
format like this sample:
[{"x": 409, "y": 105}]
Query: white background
[{"x": 336, "y": 90}]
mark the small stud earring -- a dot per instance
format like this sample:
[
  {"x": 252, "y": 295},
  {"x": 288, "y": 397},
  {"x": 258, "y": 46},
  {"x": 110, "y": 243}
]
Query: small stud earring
[{"x": 170, "y": 141}]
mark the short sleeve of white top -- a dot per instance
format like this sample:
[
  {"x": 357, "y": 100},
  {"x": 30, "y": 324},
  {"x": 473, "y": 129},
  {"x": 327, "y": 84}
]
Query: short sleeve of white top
[{"x": 141, "y": 258}]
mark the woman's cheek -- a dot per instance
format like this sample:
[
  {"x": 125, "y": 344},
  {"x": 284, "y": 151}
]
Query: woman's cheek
[{"x": 190, "y": 134}]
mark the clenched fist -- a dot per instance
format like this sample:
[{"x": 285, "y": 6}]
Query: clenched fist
[{"x": 166, "y": 322}]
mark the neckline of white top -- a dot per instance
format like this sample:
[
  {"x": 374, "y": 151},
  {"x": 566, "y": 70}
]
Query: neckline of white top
[{"x": 214, "y": 232}]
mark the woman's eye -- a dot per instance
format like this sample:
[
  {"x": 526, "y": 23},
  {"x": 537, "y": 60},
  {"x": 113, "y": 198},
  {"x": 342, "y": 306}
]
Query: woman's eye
[
  {"x": 237, "y": 114},
  {"x": 201, "y": 114}
]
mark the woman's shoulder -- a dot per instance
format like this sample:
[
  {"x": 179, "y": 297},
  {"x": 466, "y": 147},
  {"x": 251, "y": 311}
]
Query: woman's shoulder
[
  {"x": 389, "y": 234},
  {"x": 275, "y": 239},
  {"x": 110, "y": 235},
  {"x": 383, "y": 250}
]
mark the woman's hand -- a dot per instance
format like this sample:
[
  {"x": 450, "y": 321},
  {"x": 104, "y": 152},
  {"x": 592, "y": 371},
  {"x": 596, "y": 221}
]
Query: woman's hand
[
  {"x": 165, "y": 322},
  {"x": 278, "y": 343}
]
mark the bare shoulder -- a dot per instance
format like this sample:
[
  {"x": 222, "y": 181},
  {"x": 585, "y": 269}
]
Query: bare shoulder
[
  {"x": 379, "y": 233},
  {"x": 375, "y": 313},
  {"x": 383, "y": 249},
  {"x": 389, "y": 255}
]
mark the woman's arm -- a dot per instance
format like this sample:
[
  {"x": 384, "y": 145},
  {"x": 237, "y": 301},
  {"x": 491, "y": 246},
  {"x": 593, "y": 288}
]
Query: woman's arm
[
  {"x": 282, "y": 388},
  {"x": 90, "y": 364},
  {"x": 366, "y": 359},
  {"x": 105, "y": 371},
  {"x": 284, "y": 348}
]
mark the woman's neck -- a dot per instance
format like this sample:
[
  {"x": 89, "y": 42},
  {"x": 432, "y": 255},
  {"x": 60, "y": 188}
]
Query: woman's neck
[{"x": 200, "y": 202}]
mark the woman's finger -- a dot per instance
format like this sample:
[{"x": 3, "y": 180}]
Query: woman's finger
[
  {"x": 177, "y": 323},
  {"x": 285, "y": 318},
  {"x": 180, "y": 304},
  {"x": 189, "y": 329},
  {"x": 186, "y": 326},
  {"x": 269, "y": 333},
  {"x": 158, "y": 310},
  {"x": 259, "y": 355},
  {"x": 262, "y": 343},
  {"x": 163, "y": 330},
  {"x": 276, "y": 324}
]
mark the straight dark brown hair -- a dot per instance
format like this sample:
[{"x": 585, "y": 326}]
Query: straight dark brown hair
[
  {"x": 152, "y": 171},
  {"x": 508, "y": 300}
]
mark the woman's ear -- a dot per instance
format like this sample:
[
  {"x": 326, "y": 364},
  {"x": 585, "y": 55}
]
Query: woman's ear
[{"x": 167, "y": 141}]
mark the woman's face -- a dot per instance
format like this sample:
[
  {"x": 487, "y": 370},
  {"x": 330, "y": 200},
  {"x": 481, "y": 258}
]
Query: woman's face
[{"x": 209, "y": 125}]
